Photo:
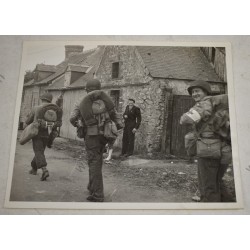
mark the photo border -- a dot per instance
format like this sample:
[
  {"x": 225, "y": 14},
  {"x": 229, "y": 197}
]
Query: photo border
[{"x": 140, "y": 205}]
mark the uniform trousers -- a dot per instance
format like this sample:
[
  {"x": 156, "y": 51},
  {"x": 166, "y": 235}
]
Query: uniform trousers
[
  {"x": 211, "y": 186},
  {"x": 95, "y": 145},
  {"x": 39, "y": 146}
]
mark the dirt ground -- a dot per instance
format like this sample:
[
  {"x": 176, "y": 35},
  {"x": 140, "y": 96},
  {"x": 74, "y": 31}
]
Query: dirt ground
[{"x": 135, "y": 179}]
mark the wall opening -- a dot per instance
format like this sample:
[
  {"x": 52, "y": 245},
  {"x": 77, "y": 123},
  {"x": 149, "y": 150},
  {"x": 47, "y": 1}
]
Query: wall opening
[
  {"x": 213, "y": 55},
  {"x": 115, "y": 70},
  {"x": 115, "y": 96}
]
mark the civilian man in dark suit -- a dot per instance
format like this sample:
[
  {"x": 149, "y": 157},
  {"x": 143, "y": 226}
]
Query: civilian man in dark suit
[{"x": 132, "y": 118}]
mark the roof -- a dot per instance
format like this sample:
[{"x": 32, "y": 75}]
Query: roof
[
  {"x": 77, "y": 68},
  {"x": 92, "y": 61},
  {"x": 58, "y": 83},
  {"x": 61, "y": 68},
  {"x": 45, "y": 67},
  {"x": 187, "y": 63},
  {"x": 30, "y": 82}
]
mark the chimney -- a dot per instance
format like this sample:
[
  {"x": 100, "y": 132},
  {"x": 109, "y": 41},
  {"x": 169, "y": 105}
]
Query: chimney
[{"x": 71, "y": 50}]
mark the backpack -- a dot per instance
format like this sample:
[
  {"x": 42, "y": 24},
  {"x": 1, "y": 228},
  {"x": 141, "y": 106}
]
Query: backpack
[
  {"x": 49, "y": 115},
  {"x": 49, "y": 112}
]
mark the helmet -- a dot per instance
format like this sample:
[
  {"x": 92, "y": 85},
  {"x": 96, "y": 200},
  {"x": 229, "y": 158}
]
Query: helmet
[
  {"x": 47, "y": 96},
  {"x": 200, "y": 84},
  {"x": 93, "y": 84}
]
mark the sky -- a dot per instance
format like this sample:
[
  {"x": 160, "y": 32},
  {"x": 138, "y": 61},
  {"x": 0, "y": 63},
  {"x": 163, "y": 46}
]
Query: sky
[{"x": 46, "y": 53}]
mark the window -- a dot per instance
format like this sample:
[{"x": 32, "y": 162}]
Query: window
[
  {"x": 115, "y": 95},
  {"x": 213, "y": 55},
  {"x": 115, "y": 70}
]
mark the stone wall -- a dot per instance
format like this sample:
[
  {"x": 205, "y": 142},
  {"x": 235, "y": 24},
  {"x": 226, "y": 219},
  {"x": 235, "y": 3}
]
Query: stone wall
[
  {"x": 132, "y": 71},
  {"x": 135, "y": 82},
  {"x": 150, "y": 98}
]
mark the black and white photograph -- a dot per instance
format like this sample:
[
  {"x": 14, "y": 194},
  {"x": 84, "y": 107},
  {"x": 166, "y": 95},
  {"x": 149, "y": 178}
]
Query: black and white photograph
[{"x": 124, "y": 125}]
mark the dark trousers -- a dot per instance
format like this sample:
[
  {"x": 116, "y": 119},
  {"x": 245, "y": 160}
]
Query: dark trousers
[
  {"x": 128, "y": 141},
  {"x": 39, "y": 145},
  {"x": 211, "y": 186},
  {"x": 209, "y": 179},
  {"x": 95, "y": 145},
  {"x": 227, "y": 195}
]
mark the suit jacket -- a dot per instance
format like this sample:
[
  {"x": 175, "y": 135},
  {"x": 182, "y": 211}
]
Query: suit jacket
[{"x": 134, "y": 117}]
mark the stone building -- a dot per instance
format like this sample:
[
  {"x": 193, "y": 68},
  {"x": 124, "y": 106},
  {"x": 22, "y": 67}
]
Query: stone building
[{"x": 156, "y": 77}]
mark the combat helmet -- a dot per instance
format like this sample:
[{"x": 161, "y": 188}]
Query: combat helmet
[
  {"x": 200, "y": 84},
  {"x": 93, "y": 84},
  {"x": 47, "y": 96}
]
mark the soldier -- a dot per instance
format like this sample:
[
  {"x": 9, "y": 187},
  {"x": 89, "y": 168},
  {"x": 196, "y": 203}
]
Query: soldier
[
  {"x": 40, "y": 141},
  {"x": 132, "y": 117},
  {"x": 91, "y": 128},
  {"x": 210, "y": 121}
]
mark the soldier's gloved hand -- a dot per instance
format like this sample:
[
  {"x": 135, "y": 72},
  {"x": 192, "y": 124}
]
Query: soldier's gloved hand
[
  {"x": 57, "y": 124},
  {"x": 134, "y": 130}
]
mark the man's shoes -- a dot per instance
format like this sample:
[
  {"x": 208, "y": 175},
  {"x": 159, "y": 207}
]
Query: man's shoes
[
  {"x": 33, "y": 171},
  {"x": 93, "y": 198},
  {"x": 127, "y": 155},
  {"x": 45, "y": 175}
]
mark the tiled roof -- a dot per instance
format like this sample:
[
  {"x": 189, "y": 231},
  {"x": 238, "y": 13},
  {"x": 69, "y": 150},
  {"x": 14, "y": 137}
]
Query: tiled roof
[
  {"x": 61, "y": 68},
  {"x": 45, "y": 67},
  {"x": 76, "y": 59},
  {"x": 177, "y": 62},
  {"x": 30, "y": 82},
  {"x": 57, "y": 83},
  {"x": 92, "y": 61}
]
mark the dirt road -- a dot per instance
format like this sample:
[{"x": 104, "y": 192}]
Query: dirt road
[{"x": 131, "y": 180}]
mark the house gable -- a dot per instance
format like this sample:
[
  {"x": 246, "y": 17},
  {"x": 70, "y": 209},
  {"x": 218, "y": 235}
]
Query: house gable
[{"x": 121, "y": 66}]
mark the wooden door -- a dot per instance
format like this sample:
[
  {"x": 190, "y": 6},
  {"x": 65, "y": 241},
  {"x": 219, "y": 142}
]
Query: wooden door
[{"x": 181, "y": 104}]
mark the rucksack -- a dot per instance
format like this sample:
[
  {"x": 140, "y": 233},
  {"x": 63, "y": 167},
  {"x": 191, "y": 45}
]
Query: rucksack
[{"x": 49, "y": 112}]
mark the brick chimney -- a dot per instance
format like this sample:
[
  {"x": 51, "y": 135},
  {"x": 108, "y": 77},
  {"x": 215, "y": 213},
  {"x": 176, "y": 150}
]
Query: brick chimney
[{"x": 71, "y": 50}]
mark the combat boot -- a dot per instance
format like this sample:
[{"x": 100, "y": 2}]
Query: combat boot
[
  {"x": 33, "y": 171},
  {"x": 45, "y": 174},
  {"x": 93, "y": 198}
]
